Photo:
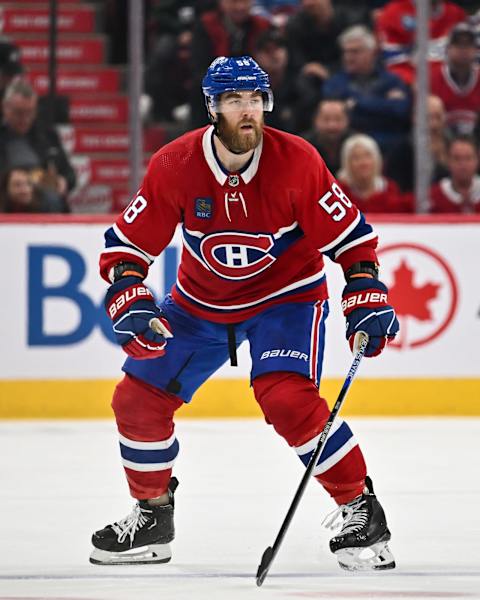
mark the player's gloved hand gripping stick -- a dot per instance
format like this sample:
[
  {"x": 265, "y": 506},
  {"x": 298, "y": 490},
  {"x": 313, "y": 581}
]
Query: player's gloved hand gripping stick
[
  {"x": 140, "y": 327},
  {"x": 360, "y": 344},
  {"x": 365, "y": 306}
]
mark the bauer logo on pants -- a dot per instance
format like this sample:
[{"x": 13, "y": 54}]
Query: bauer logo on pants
[{"x": 284, "y": 353}]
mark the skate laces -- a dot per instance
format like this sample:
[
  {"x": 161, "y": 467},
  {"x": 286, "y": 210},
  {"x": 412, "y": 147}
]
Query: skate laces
[
  {"x": 354, "y": 514},
  {"x": 130, "y": 524}
]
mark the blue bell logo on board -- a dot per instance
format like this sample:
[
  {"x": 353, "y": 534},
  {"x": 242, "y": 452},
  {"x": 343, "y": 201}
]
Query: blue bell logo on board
[{"x": 203, "y": 208}]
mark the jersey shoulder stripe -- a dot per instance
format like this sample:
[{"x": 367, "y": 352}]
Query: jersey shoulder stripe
[{"x": 360, "y": 233}]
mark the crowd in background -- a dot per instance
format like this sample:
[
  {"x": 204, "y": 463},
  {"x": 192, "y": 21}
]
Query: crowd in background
[
  {"x": 342, "y": 74},
  {"x": 35, "y": 172}
]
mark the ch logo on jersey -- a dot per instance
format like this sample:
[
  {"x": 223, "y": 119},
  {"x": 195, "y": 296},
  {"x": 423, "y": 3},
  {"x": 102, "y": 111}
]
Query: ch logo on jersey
[{"x": 235, "y": 255}]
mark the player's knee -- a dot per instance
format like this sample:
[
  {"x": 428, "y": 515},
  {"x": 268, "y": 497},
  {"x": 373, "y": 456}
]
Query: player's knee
[
  {"x": 122, "y": 396},
  {"x": 291, "y": 403},
  {"x": 138, "y": 403}
]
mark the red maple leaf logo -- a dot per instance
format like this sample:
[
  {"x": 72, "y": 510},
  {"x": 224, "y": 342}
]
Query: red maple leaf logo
[{"x": 407, "y": 298}]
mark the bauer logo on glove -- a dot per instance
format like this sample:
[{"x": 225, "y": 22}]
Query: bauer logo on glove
[
  {"x": 127, "y": 297},
  {"x": 140, "y": 327},
  {"x": 365, "y": 306},
  {"x": 370, "y": 298}
]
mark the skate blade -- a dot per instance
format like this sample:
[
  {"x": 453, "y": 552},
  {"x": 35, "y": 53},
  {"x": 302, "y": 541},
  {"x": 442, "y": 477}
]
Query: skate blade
[
  {"x": 376, "y": 557},
  {"x": 155, "y": 553}
]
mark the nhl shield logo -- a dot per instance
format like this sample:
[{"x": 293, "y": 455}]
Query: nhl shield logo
[
  {"x": 233, "y": 180},
  {"x": 203, "y": 208}
]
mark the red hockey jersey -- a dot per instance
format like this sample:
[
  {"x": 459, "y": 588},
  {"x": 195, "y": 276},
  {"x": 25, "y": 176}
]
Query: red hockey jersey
[
  {"x": 386, "y": 198},
  {"x": 250, "y": 239},
  {"x": 396, "y": 30},
  {"x": 462, "y": 104},
  {"x": 445, "y": 199}
]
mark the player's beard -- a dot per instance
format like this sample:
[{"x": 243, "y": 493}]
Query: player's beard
[{"x": 236, "y": 140}]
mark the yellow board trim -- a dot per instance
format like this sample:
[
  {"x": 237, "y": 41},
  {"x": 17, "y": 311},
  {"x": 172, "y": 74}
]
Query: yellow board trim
[{"x": 225, "y": 398}]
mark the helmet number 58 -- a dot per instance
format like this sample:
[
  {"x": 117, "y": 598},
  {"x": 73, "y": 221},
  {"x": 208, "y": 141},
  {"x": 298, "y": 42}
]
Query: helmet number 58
[{"x": 334, "y": 202}]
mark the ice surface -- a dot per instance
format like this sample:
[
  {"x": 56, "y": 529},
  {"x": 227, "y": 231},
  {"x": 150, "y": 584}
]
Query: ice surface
[{"x": 59, "y": 481}]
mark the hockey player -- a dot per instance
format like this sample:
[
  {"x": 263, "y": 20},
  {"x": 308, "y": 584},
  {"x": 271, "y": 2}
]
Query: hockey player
[{"x": 258, "y": 210}]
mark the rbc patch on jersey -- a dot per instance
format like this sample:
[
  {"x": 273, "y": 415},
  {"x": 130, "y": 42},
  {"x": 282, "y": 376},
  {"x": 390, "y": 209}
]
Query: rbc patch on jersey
[{"x": 203, "y": 208}]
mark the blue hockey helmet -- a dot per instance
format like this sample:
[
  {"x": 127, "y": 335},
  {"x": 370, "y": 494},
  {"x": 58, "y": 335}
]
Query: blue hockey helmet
[{"x": 235, "y": 74}]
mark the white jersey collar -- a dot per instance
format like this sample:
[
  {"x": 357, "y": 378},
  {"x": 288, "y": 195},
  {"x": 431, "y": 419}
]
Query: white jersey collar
[
  {"x": 447, "y": 188},
  {"x": 215, "y": 167}
]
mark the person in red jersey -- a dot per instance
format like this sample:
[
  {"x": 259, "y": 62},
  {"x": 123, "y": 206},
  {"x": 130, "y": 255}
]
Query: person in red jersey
[
  {"x": 457, "y": 80},
  {"x": 362, "y": 180},
  {"x": 258, "y": 211},
  {"x": 459, "y": 193},
  {"x": 396, "y": 29}
]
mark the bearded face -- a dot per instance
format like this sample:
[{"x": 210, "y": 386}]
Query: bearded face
[
  {"x": 239, "y": 120},
  {"x": 241, "y": 134}
]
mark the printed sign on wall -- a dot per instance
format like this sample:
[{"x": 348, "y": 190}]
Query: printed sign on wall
[{"x": 53, "y": 317}]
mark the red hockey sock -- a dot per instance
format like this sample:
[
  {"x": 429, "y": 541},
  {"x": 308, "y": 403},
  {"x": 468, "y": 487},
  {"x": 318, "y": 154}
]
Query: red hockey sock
[
  {"x": 144, "y": 416},
  {"x": 291, "y": 403}
]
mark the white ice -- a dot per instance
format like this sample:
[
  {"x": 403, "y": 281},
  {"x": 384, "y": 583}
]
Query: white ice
[{"x": 59, "y": 481}]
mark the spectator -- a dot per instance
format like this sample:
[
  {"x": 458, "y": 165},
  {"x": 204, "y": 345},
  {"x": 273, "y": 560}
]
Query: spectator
[
  {"x": 400, "y": 160},
  {"x": 168, "y": 60},
  {"x": 457, "y": 80},
  {"x": 362, "y": 180},
  {"x": 26, "y": 142},
  {"x": 396, "y": 30},
  {"x": 460, "y": 192},
  {"x": 329, "y": 130},
  {"x": 165, "y": 18},
  {"x": 168, "y": 76},
  {"x": 272, "y": 55},
  {"x": 19, "y": 194},
  {"x": 229, "y": 30},
  {"x": 379, "y": 102},
  {"x": 312, "y": 35},
  {"x": 10, "y": 65}
]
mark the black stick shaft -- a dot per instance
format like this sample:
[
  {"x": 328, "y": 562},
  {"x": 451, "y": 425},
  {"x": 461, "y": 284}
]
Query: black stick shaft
[{"x": 270, "y": 553}]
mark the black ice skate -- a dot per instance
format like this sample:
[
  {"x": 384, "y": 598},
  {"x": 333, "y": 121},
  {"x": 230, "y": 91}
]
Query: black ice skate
[
  {"x": 142, "y": 537},
  {"x": 361, "y": 544}
]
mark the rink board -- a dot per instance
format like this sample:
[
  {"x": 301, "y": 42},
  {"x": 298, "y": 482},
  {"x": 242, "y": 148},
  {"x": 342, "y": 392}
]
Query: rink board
[
  {"x": 58, "y": 360},
  {"x": 224, "y": 398}
]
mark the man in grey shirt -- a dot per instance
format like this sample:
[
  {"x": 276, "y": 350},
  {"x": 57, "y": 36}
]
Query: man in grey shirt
[{"x": 28, "y": 143}]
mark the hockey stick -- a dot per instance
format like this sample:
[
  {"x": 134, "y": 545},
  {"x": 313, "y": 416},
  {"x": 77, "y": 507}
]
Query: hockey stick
[
  {"x": 361, "y": 342},
  {"x": 157, "y": 326}
]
